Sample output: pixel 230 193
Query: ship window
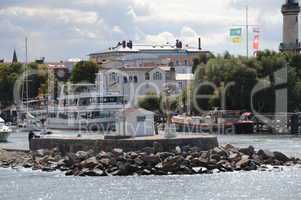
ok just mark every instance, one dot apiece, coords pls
pixel 84 101
pixel 52 115
pixel 95 114
pixel 140 118
pixel 63 116
pixel 83 115
pixel 99 100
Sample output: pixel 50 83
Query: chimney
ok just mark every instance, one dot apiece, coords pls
pixel 200 44
pixel 130 44
pixel 123 43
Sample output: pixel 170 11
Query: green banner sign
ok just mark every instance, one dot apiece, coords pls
pixel 235 32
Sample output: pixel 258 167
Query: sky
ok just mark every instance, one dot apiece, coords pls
pixel 64 29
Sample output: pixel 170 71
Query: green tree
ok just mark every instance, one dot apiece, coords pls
pixel 150 102
pixel 84 71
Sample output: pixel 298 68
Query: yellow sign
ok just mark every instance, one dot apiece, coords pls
pixel 236 40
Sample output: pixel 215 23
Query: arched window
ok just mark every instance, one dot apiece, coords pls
pixel 135 79
pixel 146 76
pixel 157 76
pixel 125 79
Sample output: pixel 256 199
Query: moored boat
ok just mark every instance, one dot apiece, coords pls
pixel 5 131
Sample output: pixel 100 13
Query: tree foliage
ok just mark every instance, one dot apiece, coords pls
pixel 84 71
pixel 245 74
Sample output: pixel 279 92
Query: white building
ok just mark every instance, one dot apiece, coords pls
pixel 135 82
pixel 136 122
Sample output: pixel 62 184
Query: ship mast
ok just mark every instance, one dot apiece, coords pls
pixel 26 73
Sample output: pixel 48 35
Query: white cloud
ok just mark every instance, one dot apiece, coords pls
pixel 80 27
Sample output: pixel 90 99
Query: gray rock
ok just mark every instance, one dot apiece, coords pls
pixel 178 150
pixel 150 159
pixel 105 161
pixel 164 155
pixel 247 151
pixel 89 163
pixel 229 147
pixel 94 172
pixel 280 156
pixel 139 161
pixel 265 154
pixel 148 150
pixel 220 151
pixel 82 155
pixel 117 152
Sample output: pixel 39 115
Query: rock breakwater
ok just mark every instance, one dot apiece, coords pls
pixel 149 161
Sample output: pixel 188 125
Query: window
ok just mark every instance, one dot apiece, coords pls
pixel 146 76
pixel 85 101
pixel 99 100
pixel 131 78
pixel 185 62
pixel 52 115
pixel 135 79
pixel 157 76
pixel 95 114
pixel 125 79
pixel 141 118
pixel 113 76
pixel 177 62
pixel 63 116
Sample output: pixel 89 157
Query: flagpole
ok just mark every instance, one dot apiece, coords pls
pixel 247 26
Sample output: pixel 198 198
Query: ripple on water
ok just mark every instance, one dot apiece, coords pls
pixel 239 185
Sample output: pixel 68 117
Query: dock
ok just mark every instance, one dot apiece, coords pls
pixel 98 143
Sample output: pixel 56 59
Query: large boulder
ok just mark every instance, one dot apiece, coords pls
pixel 280 156
pixel 89 163
pixel 157 147
pixel 220 151
pixel 247 151
pixel 94 172
pixel 117 152
pixel 82 155
pixel 265 154
pixel 105 162
pixel 172 163
pixel 164 155
pixel 151 159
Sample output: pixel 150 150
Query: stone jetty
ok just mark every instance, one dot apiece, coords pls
pixel 153 160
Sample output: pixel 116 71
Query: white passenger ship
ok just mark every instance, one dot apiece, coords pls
pixel 86 111
pixel 92 107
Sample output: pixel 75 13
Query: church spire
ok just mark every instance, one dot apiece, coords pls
pixel 15 59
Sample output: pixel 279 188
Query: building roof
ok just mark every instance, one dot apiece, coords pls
pixel 141 48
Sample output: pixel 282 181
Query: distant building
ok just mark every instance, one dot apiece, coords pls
pixel 142 55
pixel 290 11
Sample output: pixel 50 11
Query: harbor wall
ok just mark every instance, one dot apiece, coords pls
pixel 133 144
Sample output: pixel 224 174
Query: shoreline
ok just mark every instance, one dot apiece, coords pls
pixel 148 161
